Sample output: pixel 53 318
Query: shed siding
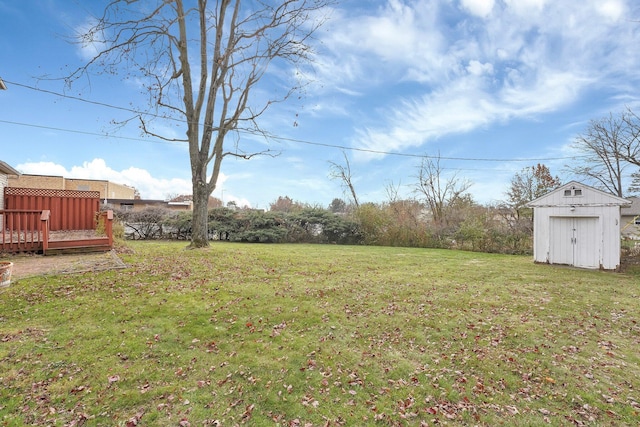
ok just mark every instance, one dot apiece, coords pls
pixel 577 225
pixel 607 233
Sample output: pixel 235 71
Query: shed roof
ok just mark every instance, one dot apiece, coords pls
pixel 5 169
pixel 566 195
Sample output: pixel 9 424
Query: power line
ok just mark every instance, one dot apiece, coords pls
pixel 88 101
pixel 251 132
pixel 392 153
pixel 102 135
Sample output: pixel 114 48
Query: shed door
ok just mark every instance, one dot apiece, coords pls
pixel 574 241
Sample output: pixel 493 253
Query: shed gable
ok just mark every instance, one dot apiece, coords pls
pixel 577 194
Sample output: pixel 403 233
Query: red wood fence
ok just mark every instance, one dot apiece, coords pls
pixel 70 210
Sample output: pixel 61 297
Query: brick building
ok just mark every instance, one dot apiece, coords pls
pixel 107 189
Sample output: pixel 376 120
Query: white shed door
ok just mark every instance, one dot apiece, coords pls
pixel 574 241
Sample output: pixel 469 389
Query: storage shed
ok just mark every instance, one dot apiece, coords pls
pixel 577 225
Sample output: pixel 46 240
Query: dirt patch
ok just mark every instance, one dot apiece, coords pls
pixel 38 265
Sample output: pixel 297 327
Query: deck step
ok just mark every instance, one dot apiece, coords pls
pixel 77 249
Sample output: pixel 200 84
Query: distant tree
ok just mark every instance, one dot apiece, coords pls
pixel 202 63
pixel 439 192
pixel 214 202
pixel 605 145
pixel 342 172
pixel 374 222
pixel 631 145
pixel 634 187
pixel 285 204
pixel 338 206
pixel 529 184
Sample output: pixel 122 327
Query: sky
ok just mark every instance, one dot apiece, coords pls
pixel 489 86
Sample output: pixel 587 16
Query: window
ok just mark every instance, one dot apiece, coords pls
pixel 573 192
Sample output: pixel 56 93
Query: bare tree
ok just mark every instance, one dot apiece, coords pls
pixel 343 173
pixel 201 62
pixel 529 184
pixel 285 204
pixel 606 144
pixel 631 144
pixel 439 192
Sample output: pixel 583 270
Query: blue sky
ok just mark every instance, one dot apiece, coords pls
pixel 492 86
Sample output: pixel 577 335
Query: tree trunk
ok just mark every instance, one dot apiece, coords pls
pixel 200 221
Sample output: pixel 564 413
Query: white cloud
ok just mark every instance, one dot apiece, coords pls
pixel 525 58
pixel 91 43
pixel 477 68
pixel 526 7
pixel 42 168
pixel 466 106
pixel 148 186
pixel 481 8
pixel 377 44
pixel 613 10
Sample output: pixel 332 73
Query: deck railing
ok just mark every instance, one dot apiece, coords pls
pixel 23 230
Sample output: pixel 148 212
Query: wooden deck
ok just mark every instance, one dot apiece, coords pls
pixel 26 231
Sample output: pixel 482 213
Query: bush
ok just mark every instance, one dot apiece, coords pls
pixel 144 224
pixel 177 225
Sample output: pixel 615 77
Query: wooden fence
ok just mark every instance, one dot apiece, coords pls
pixel 70 210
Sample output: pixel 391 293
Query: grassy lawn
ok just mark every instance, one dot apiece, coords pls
pixel 321 335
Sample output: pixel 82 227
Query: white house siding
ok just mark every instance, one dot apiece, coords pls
pixel 583 231
pixel 3 183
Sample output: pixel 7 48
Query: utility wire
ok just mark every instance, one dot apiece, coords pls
pixel 102 135
pixel 250 132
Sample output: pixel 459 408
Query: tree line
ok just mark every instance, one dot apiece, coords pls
pixel 442 213
pixel 458 223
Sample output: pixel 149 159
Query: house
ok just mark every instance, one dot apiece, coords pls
pixel 631 219
pixel 5 172
pixel 577 225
